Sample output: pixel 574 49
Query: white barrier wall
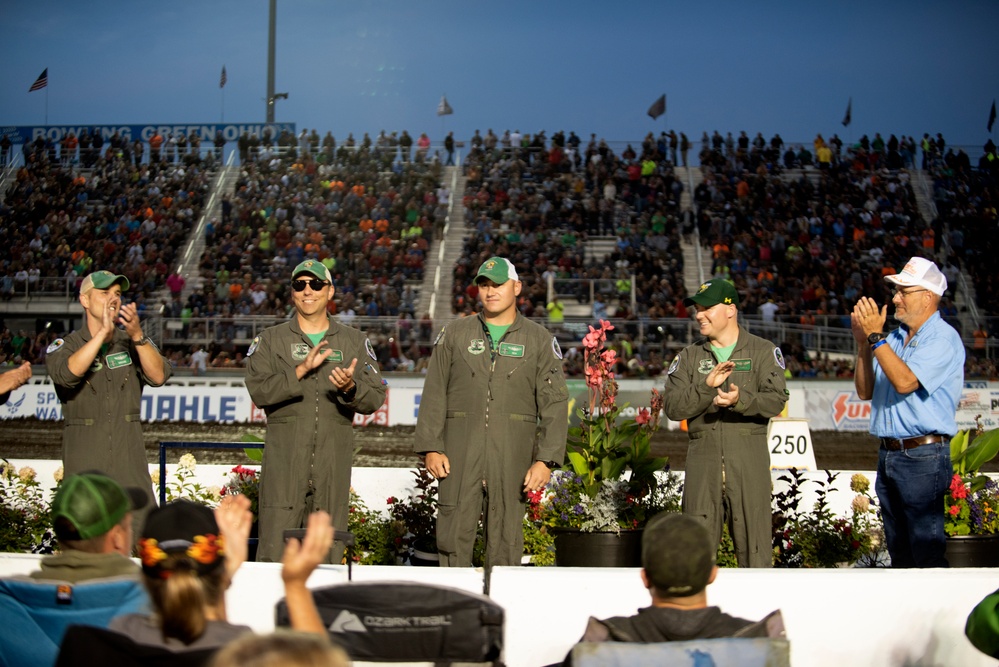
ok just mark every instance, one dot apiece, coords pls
pixel 861 618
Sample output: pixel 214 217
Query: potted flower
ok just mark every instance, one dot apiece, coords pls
pixel 971 505
pixel 245 481
pixel 25 517
pixel 539 545
pixel 612 484
pixel 185 485
pixel 820 538
pixel 373 534
pixel 415 521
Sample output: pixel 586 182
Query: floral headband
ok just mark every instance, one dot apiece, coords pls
pixel 207 552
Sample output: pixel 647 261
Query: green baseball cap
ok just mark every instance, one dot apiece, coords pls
pixel 313 268
pixel 498 270
pixel 677 554
pixel 714 292
pixel 90 504
pixel 102 280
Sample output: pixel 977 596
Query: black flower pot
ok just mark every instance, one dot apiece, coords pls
pixel 973 550
pixel 574 548
pixel 423 552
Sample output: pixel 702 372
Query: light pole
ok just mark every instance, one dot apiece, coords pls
pixel 271 39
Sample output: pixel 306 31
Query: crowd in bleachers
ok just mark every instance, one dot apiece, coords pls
pixel 811 246
pixel 61 223
pixel 801 246
pixel 967 199
pixel 539 203
pixel 369 219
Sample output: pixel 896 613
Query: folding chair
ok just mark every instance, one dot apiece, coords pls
pixel 406 622
pixel 728 652
pixel 36 613
pixel 85 646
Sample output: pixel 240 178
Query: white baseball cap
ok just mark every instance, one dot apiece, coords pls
pixel 920 272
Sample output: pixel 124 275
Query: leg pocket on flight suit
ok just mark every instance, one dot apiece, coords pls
pixel 446 528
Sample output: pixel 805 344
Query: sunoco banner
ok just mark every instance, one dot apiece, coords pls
pixel 835 406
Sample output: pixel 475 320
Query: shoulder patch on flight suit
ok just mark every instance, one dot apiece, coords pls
pixel 779 358
pixel 253 346
pixel 556 350
pixel 673 366
pixel 704 366
pixel 55 345
pixel 370 350
pixel 439 336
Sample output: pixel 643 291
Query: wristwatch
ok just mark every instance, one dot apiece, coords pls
pixel 875 338
pixel 551 465
pixel 142 341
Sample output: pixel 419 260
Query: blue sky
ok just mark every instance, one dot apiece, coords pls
pixel 588 66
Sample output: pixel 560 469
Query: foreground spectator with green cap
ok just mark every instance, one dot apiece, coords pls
pixel 92 517
pixel 678 564
pixel 99 372
pixel 727 385
pixel 88 583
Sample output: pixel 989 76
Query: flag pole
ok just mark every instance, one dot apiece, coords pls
pixel 665 128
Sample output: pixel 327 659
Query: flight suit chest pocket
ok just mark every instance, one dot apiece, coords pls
pixel 553 386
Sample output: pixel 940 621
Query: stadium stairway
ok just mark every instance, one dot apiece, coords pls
pixel 964 292
pixel 596 248
pixel 223 184
pixel 438 272
pixel 696 258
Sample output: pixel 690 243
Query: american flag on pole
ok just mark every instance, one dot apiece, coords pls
pixel 41 81
pixel 223 78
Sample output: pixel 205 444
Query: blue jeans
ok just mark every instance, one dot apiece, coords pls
pixel 911 485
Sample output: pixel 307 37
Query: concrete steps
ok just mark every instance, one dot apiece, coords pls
pixel 438 272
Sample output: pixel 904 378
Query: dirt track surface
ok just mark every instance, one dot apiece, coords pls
pixel 380 446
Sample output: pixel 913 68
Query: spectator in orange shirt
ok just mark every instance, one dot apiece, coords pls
pixel 155 143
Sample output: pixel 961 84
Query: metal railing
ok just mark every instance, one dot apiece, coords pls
pixel 830 334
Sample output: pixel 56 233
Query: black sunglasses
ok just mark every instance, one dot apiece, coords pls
pixel 315 283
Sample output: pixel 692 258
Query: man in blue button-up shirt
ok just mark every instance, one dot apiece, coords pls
pixel 913 377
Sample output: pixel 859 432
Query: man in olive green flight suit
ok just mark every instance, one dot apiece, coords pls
pixel 727 386
pixel 99 371
pixel 493 420
pixel 310 375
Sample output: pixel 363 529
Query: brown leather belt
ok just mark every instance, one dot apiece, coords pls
pixel 896 445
